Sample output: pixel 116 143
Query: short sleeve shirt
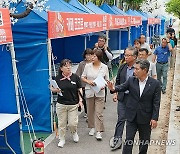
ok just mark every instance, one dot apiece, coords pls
pixel 91 74
pixel 146 46
pixel 69 89
pixel 162 54
pixel 152 69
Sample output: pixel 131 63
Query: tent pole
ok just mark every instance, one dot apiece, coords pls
pixel 15 73
pixel 129 36
pixel 85 43
pixel 107 37
pixel 119 39
pixel 50 77
pixel 147 37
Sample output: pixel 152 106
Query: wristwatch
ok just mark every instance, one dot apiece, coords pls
pixel 168 42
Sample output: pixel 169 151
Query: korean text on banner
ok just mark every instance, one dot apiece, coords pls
pixel 61 24
pixel 5 27
pixel 136 20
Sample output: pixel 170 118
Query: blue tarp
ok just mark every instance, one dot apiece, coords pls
pixel 124 32
pixel 8 101
pixel 162 25
pixel 30 39
pixel 77 4
pixel 135 30
pixel 119 10
pixel 117 38
pixel 30 34
pixel 95 8
pixel 105 7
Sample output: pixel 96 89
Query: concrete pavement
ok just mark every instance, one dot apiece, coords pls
pixel 88 144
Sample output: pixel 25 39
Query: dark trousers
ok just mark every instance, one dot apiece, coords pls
pixel 84 101
pixel 121 110
pixel 144 137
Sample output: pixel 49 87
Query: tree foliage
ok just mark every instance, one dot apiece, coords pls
pixel 173 6
pixel 134 4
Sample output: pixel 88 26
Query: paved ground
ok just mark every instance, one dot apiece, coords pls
pixel 88 144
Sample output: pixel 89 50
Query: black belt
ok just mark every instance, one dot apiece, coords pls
pixel 162 62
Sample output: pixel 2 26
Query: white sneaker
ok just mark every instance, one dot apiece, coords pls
pixel 91 132
pixel 98 136
pixel 61 143
pixel 85 115
pixel 75 137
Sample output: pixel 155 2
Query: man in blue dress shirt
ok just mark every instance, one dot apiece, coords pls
pixel 161 55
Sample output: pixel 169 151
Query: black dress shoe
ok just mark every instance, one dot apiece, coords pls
pixel 117 144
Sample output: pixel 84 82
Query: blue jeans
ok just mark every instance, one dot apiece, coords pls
pixel 162 70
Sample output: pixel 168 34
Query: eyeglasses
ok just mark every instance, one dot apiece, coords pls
pixel 126 55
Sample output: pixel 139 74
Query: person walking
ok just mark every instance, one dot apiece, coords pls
pixel 161 55
pixel 137 44
pixel 107 55
pixel 124 72
pixel 95 100
pixel 142 40
pixel 87 56
pixel 142 106
pixel 68 101
pixel 171 41
pixel 143 54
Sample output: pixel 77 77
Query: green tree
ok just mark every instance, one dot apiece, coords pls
pixel 173 6
pixel 133 4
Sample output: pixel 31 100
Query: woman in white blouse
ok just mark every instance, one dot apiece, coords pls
pixel 95 100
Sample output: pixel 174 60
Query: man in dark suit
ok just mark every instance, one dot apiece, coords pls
pixel 124 72
pixel 142 106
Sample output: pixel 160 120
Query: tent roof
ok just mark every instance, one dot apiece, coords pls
pixel 119 10
pixel 77 4
pixel 55 5
pixel 105 7
pixel 133 13
pixel 72 8
pixel 143 17
pixel 95 8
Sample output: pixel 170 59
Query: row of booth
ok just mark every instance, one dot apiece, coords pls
pixel 32 46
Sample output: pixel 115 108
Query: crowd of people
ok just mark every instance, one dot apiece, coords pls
pixel 137 90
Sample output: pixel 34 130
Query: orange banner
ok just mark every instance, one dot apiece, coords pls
pixel 71 24
pixel 117 21
pixel 5 27
pixel 136 20
pixel 157 21
pixel 61 24
pixel 152 21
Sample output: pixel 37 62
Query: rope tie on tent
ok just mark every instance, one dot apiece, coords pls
pixel 28 117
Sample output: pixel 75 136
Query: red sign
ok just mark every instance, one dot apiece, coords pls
pixel 5 27
pixel 71 24
pixel 152 21
pixel 136 20
pixel 61 24
pixel 119 21
pixel 157 21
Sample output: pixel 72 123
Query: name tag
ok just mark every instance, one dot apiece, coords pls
pixel 73 82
